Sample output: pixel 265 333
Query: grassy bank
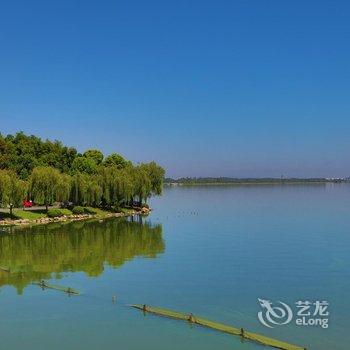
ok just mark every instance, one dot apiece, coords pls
pixel 27 217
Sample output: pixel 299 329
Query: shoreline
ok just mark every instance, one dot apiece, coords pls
pixel 74 217
pixel 253 183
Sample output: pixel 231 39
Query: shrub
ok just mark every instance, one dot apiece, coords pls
pixel 126 211
pixel 54 213
pixel 90 211
pixel 116 209
pixel 78 210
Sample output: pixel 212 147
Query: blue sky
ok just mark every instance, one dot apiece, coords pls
pixel 205 88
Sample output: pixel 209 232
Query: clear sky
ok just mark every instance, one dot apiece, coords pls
pixel 205 88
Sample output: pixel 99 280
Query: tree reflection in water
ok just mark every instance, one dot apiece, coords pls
pixel 43 252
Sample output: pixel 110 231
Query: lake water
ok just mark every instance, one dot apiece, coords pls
pixel 212 251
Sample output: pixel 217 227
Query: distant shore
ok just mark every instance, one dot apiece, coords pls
pixel 224 181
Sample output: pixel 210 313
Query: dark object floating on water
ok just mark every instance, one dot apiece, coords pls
pixel 219 327
pixel 67 290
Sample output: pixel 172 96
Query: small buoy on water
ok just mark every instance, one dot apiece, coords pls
pixel 114 299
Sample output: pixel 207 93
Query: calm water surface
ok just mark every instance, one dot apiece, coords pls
pixel 212 251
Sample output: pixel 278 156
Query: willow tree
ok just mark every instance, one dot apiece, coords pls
pixel 79 186
pixel 12 189
pixel 142 186
pixel 44 185
pixel 4 187
pixel 125 186
pixel 156 175
pixel 93 190
pixel 110 185
pixel 116 186
pixel 63 188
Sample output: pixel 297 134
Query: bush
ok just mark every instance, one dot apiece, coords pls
pixel 116 209
pixel 126 211
pixel 54 213
pixel 78 210
pixel 90 211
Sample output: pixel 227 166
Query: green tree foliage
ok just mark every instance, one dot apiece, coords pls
pixel 84 165
pixel 85 190
pixel 63 188
pixel 4 187
pixel 4 153
pixel 78 189
pixel 95 155
pixel 57 173
pixel 44 185
pixel 12 189
pixel 142 186
pixel 94 191
pixel 17 191
pixel 116 186
pixel 23 153
pixel 156 174
pixel 117 160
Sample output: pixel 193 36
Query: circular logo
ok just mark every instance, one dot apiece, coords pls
pixel 272 316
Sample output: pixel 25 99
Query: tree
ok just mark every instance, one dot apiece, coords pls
pixel 116 186
pixel 59 173
pixel 156 174
pixel 18 189
pixel 44 185
pixel 93 191
pixel 63 188
pixel 12 189
pixel 142 186
pixel 78 189
pixel 4 187
pixel 4 153
pixel 117 160
pixel 22 153
pixel 84 165
pixel 125 186
pixel 95 155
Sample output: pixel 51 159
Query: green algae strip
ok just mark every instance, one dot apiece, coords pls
pixel 45 285
pixel 219 327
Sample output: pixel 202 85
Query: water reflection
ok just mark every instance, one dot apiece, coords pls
pixel 43 252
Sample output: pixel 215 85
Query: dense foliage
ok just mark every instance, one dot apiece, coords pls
pixel 48 172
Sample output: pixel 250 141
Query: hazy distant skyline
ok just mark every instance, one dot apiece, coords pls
pixel 205 88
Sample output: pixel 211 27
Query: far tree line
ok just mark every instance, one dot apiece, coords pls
pixel 55 173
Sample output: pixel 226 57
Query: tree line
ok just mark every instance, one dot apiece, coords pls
pixel 48 172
